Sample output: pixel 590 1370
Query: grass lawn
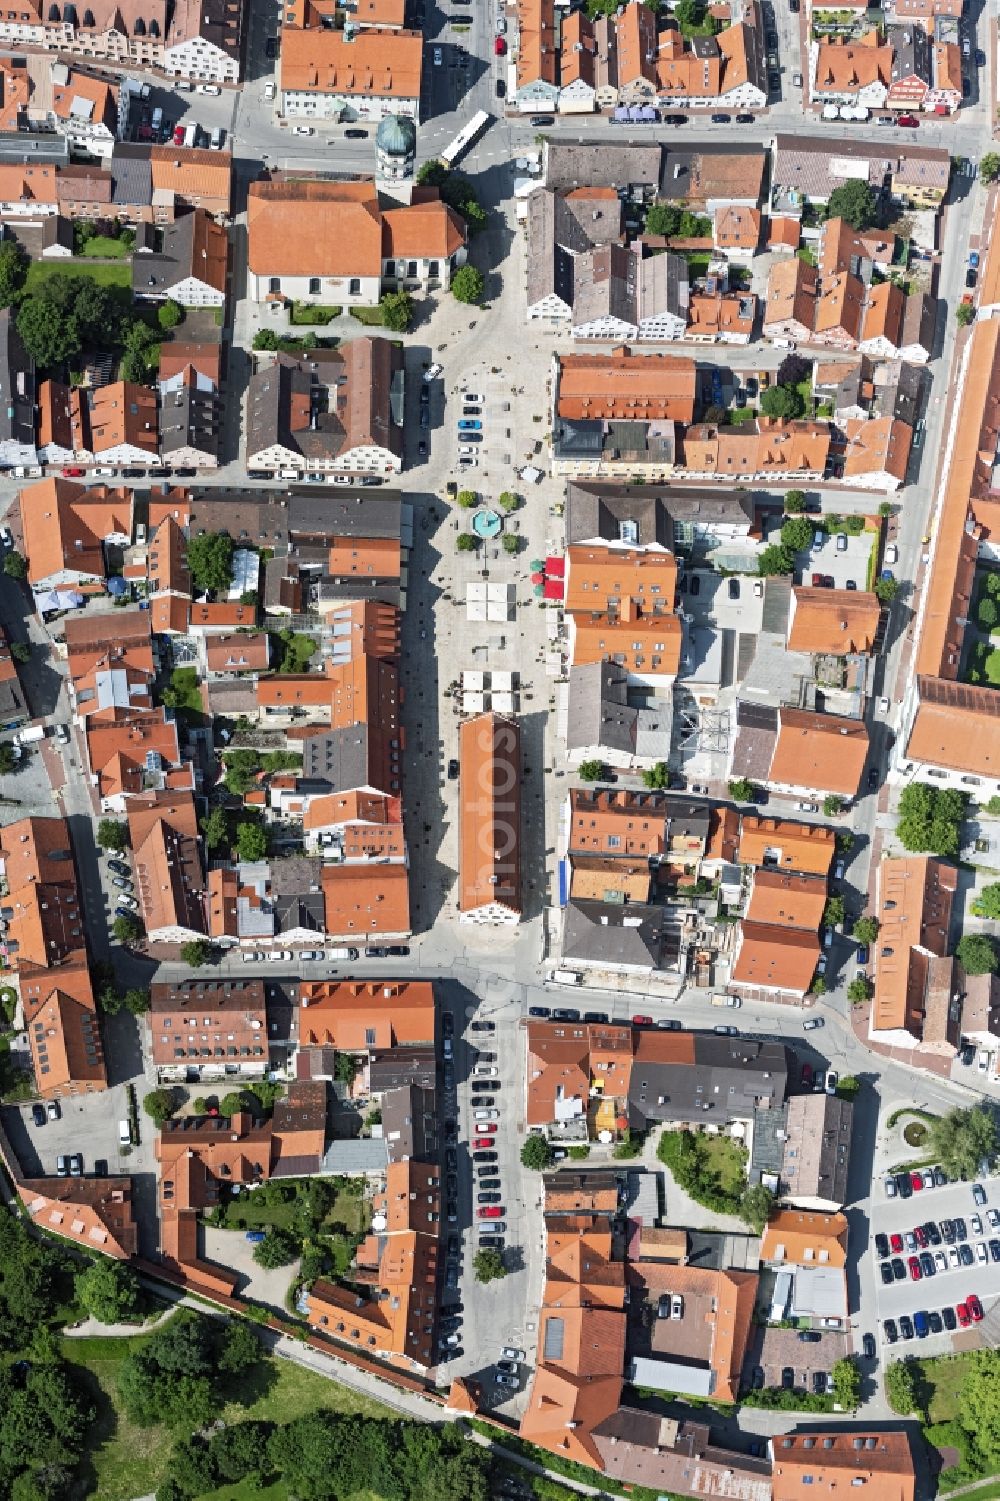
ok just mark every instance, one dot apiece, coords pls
pixel 106 249
pixel 307 312
pixel 946 1377
pixel 726 1158
pixel 351 1211
pixel 697 264
pixel 118 274
pixel 124 1461
pixel 736 415
pixel 988 1492
pixel 370 315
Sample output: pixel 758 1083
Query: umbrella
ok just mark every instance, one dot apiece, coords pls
pixel 537 563
pixel 539 590
pixel 537 578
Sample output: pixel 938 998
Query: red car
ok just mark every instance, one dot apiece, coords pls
pixel 916 1182
pixel 914 1266
pixel 975 1308
pixel 72 473
pixel 642 1021
pixel 490 1212
pixel 499 46
pixel 807 1076
pixel 178 135
pixel 920 1235
pixel 489 1130
pixel 896 1242
pixel 482 1143
pixel 910 121
pixel 817 580
pixel 962 1312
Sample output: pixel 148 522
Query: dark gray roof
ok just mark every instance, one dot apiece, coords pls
pixel 307 911
pixel 899 390
pixel 360 514
pixel 17 385
pixel 190 417
pixel 339 757
pixel 911 53
pixel 635 515
pixel 600 933
pixel 25 146
pixel 154 271
pixel 583 439
pixel 403 1066
pixel 384 591
pixel 817 1148
pixel 255 515
pixel 409 1122
pixel 600 164
pixel 559 230
pixel 730 1078
pixel 13 709
pixel 131 174
pixel 599 713
pixel 919 321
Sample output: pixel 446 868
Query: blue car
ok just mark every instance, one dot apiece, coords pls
pixel 862 955
pixel 469 425
pixel 255 1237
pixel 920 1324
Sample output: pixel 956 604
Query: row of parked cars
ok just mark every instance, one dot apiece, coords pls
pixel 933 1321
pixel 931 1248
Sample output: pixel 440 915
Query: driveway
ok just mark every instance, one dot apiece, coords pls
pixel 232 1249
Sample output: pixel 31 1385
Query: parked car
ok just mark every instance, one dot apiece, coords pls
pixel 978 1194
pixel 52 1110
pixel 868 1346
pixel 813 1024
pixel 889 1330
pixel 905 1326
pixel 38 1114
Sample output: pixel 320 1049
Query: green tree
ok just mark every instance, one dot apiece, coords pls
pixel 251 841
pixel 112 835
pixel 510 543
pixel 241 1349
pixel 397 311
pixel 663 219
pixel 795 502
pixel 656 778
pixel 507 500
pixel 465 542
pixel 834 912
pixel 853 201
pixel 136 1000
pixel 111 1000
pixel 49 334
pixel 488 1266
pixel 775 560
pixel 964 314
pixel 930 819
pixel 962 1139
pixel 846 1383
pixel 127 930
pixel 108 1290
pixel 832 805
pixel 756 1203
pixel 782 402
pixel 139 353
pixel 989 166
pixel 14 566
pixel 215 829
pixel 278 1248
pixel 979 1402
pixel 797 534
pixel 859 990
pixel 265 338
pixel 232 1103
pixel 536 1153
pixel 432 174
pixel 987 613
pixel 195 952
pixel 849 1087
pixel 210 560
pixel 866 929
pixel 977 954
pixel 590 771
pixel 21 652
pixel 9 763
pixel 467 499
pixel 159 1105
pixel 818 986
pixel 987 903
pixel 13 269
pixel 854 525
pixel 741 790
pixel 169 314
pixel 240 1450
pixel 468 285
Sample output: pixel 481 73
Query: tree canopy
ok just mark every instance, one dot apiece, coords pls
pixel 159 1105
pixel 930 819
pixel 13 269
pixel 963 1139
pixel 468 284
pixel 782 402
pixel 775 559
pixel 210 559
pixel 797 534
pixel 112 834
pixel 278 1248
pixel 866 929
pixel 488 1265
pixel 196 952
pixel 853 201
pixel 590 771
pixel 987 903
pixel 251 841
pixel 979 1402
pixel 108 1290
pixel 977 954
pixel 741 790
pixel 536 1152
pixel 397 311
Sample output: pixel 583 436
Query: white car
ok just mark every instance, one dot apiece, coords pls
pixel 311 956
pixel 302 130
pixel 511 1352
pixel 127 901
pixel 252 957
pixel 432 372
pixel 472 399
pixel 981 1252
pixel 940 1261
pixel 983 1061
pixel 467 450
pixel 486 1071
pixel 832 1080
pixel 438 57
pixel 279 956
pixel 807 807
pixel 883 706
pixel 954 1259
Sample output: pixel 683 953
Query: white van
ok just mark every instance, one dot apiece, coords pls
pixel 216 141
pixel 191 135
pixel 334 954
pixel 157 120
pixel 124 1134
pixel 486 1115
pixel 269 90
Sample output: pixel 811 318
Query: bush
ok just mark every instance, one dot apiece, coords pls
pixel 630 1145
pixel 278 1248
pixel 977 954
pixel 169 314
pixel 536 1153
pixel 465 542
pixel 160 1105
pixel 112 835
pixel 468 285
pixel 741 790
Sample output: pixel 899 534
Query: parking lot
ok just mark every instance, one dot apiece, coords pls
pixel 774 1353
pixel 944 1288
